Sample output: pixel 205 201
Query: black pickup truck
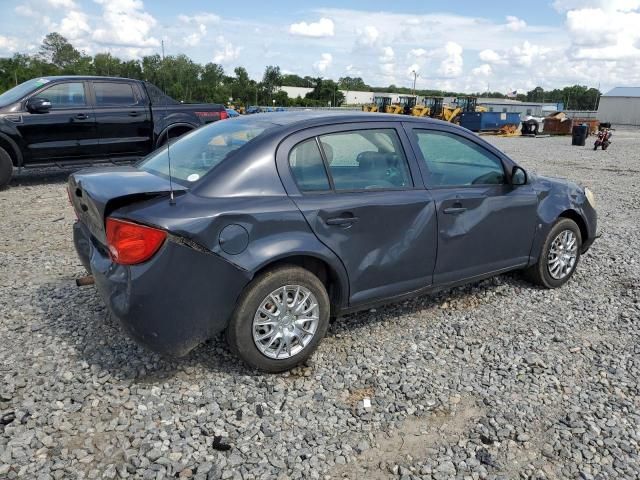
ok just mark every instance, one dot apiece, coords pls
pixel 81 120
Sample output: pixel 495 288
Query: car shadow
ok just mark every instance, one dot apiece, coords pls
pixel 29 177
pixel 78 317
pixel 456 296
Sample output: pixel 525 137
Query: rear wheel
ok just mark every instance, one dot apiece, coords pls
pixel 280 319
pixel 559 256
pixel 6 168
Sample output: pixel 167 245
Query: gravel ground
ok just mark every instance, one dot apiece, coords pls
pixel 494 380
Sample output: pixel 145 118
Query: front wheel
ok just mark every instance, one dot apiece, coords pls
pixel 6 168
pixel 280 319
pixel 559 256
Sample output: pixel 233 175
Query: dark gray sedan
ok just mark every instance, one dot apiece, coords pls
pixel 267 226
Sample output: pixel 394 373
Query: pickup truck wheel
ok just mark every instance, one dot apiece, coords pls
pixel 6 168
pixel 559 255
pixel 280 319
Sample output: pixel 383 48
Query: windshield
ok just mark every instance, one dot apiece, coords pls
pixel 196 153
pixel 16 93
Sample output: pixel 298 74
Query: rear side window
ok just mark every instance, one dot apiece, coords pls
pixel 193 155
pixel 113 94
pixel 307 167
pixel 366 160
pixel 65 95
pixel 454 160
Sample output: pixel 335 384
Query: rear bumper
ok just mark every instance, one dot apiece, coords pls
pixel 171 303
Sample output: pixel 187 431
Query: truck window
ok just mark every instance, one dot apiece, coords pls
pixel 114 94
pixel 65 95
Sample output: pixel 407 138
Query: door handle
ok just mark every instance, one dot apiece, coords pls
pixel 454 210
pixel 82 116
pixel 341 220
pixel 134 114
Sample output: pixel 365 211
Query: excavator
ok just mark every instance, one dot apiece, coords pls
pixel 380 104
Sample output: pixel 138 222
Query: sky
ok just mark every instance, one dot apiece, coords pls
pixel 461 45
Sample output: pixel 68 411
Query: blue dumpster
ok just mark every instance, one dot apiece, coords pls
pixel 485 121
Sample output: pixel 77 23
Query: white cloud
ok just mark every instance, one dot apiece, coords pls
pixel 322 28
pixel 74 26
pixel 227 52
pixel 452 65
pixel 413 68
pixel 490 56
pixel 368 36
pixel 8 44
pixel 483 70
pixel 25 11
pixel 386 55
pixel 199 23
pixel 125 23
pixel 62 3
pixel 417 52
pixel 613 5
pixel 325 61
pixel 515 23
pixel 200 18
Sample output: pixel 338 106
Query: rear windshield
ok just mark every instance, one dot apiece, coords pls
pixel 196 153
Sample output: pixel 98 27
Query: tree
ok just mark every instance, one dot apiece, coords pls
pixel 326 91
pixel 353 84
pixel 57 50
pixel 271 80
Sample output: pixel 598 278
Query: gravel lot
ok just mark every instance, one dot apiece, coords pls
pixel 494 380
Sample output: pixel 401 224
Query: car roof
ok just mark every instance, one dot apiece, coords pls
pixel 311 118
pixel 86 77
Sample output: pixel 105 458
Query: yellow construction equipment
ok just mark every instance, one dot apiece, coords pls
pixel 379 105
pixel 451 113
pixel 404 105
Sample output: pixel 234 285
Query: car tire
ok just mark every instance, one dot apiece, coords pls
pixel 261 328
pixel 6 168
pixel 553 269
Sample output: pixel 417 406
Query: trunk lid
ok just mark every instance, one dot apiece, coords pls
pixel 96 192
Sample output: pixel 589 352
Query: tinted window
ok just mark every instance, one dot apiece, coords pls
pixel 65 95
pixel 366 160
pixel 197 152
pixel 454 160
pixel 307 167
pixel 114 94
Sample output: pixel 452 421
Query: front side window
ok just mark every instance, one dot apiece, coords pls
pixel 307 167
pixel 113 94
pixel 366 160
pixel 198 152
pixel 65 95
pixel 455 160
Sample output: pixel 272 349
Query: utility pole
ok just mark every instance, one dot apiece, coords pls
pixel 415 76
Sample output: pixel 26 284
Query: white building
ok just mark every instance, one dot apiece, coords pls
pixel 350 97
pixel 620 106
pixel 536 109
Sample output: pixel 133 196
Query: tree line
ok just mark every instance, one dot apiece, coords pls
pixel 187 81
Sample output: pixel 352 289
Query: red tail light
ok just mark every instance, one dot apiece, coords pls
pixel 130 243
pixel 223 115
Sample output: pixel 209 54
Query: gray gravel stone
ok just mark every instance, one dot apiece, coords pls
pixel 497 379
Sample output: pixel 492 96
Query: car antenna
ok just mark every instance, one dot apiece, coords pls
pixel 172 200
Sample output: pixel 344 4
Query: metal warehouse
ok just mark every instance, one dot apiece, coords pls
pixel 620 106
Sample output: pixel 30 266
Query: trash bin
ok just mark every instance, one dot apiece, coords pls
pixel 579 135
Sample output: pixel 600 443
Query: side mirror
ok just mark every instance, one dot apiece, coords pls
pixel 38 105
pixel 518 176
